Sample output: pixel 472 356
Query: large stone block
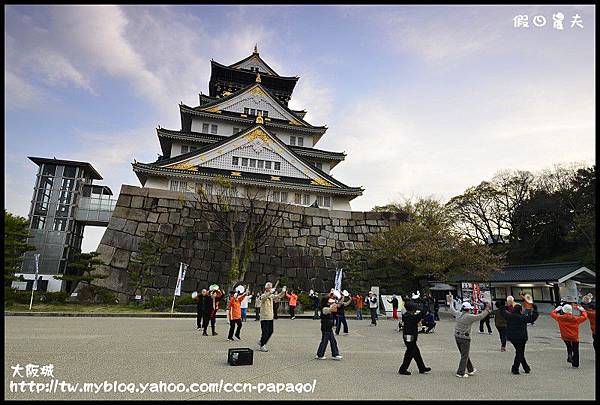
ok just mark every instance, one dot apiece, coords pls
pixel 130 227
pixel 117 223
pixel 141 229
pixel 165 228
pixel 124 201
pixel 120 259
pixel 137 202
pixel 174 217
pixel 321 241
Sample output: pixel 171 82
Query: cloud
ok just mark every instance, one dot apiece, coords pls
pixel 18 93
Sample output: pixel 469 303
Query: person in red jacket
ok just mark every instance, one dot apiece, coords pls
pixel 293 297
pixel 234 313
pixel 569 330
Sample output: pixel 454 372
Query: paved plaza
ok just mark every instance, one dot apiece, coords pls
pixel 134 350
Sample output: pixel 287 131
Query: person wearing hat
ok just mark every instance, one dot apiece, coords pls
pixel 234 312
pixel 343 302
pixel 411 317
pixel 590 308
pixel 328 310
pixel 394 302
pixel 569 330
pixel 359 302
pixel 215 295
pixel 314 297
pixel 373 305
pixel 516 333
pixel 267 313
pixel 462 336
pixel 293 301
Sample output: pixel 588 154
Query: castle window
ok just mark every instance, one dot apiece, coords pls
pixel 318 165
pixel 252 162
pixel 297 198
pixel 265 114
pixel 244 161
pixel 252 111
pixel 213 129
pixel 284 197
pixel 300 141
pixel 236 130
pixel 205 128
pixel 235 160
pixel 260 164
pixel 277 165
pixel 184 148
pixel 292 140
pixel 305 199
pixel 246 110
pixel 268 164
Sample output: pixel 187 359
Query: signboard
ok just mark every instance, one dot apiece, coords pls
pixel 387 306
pixel 338 279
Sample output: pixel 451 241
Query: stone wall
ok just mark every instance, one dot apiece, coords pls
pixel 304 248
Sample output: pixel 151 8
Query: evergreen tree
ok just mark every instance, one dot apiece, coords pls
pixel 80 268
pixel 16 233
pixel 150 250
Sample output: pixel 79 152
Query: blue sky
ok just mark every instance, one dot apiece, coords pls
pixel 426 101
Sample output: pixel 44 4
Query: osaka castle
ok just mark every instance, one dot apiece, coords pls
pixel 244 131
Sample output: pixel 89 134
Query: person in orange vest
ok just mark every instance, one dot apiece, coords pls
pixel 293 297
pixel 569 330
pixel 234 313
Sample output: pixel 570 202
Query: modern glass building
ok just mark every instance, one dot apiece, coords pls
pixel 65 200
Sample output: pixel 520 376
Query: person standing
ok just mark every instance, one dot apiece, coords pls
pixel 257 305
pixel 516 333
pixel 394 302
pixel 528 306
pixel 198 300
pixel 204 308
pixel 234 313
pixel 373 305
pixel 449 300
pixel 327 311
pixel 411 318
pixel 485 320
pixel 462 336
pixel 510 303
pixel 359 304
pixel 215 296
pixel 293 301
pixel 341 312
pixel 436 310
pixel 267 314
pixel 500 323
pixel 569 330
pixel 590 308
pixel 314 297
pixel 244 306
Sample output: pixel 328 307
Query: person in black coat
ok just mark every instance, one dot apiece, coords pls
pixel 516 333
pixel 411 319
pixel 203 305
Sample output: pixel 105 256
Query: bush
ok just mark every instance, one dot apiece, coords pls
pixel 12 296
pixel 305 300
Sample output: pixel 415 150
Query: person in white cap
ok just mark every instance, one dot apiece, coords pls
pixel 462 336
pixel 316 303
pixel 266 316
pixel 569 330
pixel 341 315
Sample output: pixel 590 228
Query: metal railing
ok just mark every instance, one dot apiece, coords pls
pixel 91 209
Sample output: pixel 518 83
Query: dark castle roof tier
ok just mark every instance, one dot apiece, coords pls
pixel 165 137
pixel 142 170
pixel 229 76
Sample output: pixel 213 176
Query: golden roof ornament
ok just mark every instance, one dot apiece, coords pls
pixel 258 78
pixel 259 119
pixel 255 48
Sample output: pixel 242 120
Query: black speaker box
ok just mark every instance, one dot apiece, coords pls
pixel 240 357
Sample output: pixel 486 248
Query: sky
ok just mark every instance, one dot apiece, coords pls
pixel 425 100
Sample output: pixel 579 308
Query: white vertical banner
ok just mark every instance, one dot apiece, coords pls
pixel 338 279
pixel 35 278
pixel 180 278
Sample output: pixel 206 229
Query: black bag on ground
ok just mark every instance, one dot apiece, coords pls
pixel 240 357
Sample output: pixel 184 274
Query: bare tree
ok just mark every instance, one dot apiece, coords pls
pixel 247 218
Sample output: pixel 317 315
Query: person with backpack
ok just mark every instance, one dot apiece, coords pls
pixel 516 333
pixel 411 318
pixel 462 336
pixel 569 330
pixel 500 323
pixel 328 309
